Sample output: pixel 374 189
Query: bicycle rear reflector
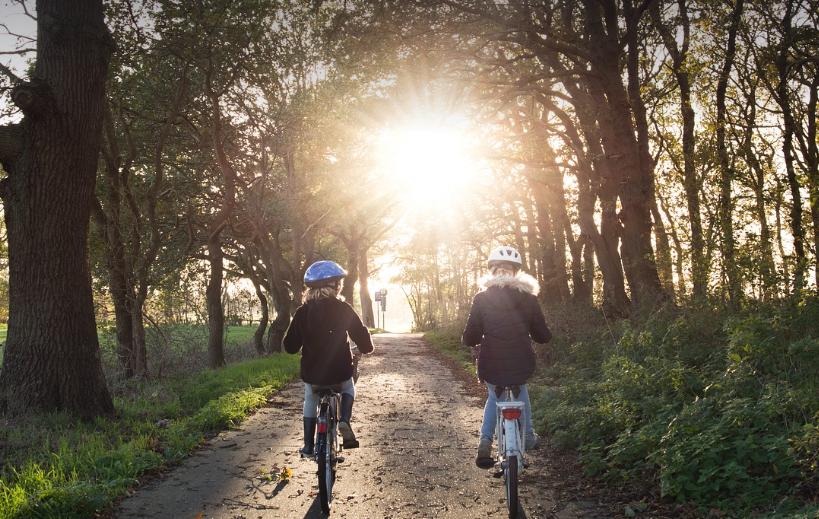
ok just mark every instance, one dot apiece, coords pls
pixel 511 413
pixel 322 427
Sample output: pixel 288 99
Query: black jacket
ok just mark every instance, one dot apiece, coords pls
pixel 505 319
pixel 320 329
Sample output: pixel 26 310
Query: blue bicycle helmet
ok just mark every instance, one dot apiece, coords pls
pixel 323 273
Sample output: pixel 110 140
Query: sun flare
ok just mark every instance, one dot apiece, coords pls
pixel 429 164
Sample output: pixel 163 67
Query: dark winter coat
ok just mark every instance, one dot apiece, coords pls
pixel 320 329
pixel 505 319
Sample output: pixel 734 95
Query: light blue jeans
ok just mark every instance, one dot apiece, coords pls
pixel 490 413
pixel 311 398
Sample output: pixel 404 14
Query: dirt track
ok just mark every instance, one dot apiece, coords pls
pixel 418 427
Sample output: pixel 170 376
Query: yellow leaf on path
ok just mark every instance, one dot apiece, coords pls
pixel 200 515
pixel 285 474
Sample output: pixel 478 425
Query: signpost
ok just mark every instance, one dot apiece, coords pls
pixel 381 297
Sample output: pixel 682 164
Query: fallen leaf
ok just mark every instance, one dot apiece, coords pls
pixel 285 474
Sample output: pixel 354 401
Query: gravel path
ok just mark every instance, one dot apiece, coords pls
pixel 418 428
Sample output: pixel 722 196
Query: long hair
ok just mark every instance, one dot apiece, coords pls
pixel 316 293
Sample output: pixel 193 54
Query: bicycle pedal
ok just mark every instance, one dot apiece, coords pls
pixel 498 474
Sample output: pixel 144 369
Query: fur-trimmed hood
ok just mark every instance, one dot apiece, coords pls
pixel 522 281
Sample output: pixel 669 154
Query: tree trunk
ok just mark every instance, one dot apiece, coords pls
pixel 588 271
pixel 125 328
pixel 779 202
pixel 726 170
pixel 664 267
pixel 767 266
pixel 615 300
pixel 783 99
pixel 52 358
pixel 551 282
pixel 278 327
pixel 636 170
pixel 213 294
pixel 557 212
pixel 367 315
pixel 258 335
pixel 811 156
pixel 139 354
pixel 519 242
pixel 680 66
pixel 348 288
pixel 535 266
pixel 595 180
pixel 678 249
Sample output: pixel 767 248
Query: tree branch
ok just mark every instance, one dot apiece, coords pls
pixel 10 74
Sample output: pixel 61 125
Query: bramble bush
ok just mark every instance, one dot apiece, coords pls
pixel 718 408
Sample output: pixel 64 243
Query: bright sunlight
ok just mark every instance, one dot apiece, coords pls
pixel 432 163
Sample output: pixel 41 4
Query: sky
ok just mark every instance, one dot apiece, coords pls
pixel 15 21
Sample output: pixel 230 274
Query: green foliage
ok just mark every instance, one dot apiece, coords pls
pixel 448 342
pixel 720 409
pixel 55 466
pixel 175 349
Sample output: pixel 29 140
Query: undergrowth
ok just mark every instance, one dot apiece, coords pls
pixel 715 408
pixel 448 342
pixel 54 466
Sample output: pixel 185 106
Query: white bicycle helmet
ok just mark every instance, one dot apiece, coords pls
pixel 506 254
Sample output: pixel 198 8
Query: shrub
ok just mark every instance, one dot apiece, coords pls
pixel 718 407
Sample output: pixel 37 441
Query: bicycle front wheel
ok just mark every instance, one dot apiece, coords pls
pixel 326 475
pixel 511 476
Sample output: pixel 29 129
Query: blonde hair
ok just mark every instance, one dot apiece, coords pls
pixel 316 293
pixel 502 270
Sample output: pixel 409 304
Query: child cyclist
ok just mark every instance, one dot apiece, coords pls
pixel 320 329
pixel 504 320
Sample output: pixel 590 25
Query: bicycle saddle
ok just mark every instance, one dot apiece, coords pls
pixel 500 389
pixel 326 390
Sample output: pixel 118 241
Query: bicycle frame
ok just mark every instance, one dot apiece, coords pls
pixel 326 446
pixel 508 428
pixel 326 427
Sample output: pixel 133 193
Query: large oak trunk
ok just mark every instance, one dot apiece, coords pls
pixel 52 356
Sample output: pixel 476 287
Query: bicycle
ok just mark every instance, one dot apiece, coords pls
pixel 327 446
pixel 511 446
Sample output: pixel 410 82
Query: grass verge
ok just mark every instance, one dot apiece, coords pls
pixel 56 467
pixel 448 342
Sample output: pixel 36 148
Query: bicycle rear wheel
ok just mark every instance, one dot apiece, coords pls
pixel 326 475
pixel 511 476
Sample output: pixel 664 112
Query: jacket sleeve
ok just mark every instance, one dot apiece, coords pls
pixel 537 323
pixel 359 333
pixel 473 332
pixel 293 340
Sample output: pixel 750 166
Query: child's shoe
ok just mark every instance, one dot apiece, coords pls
pixel 349 440
pixel 484 458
